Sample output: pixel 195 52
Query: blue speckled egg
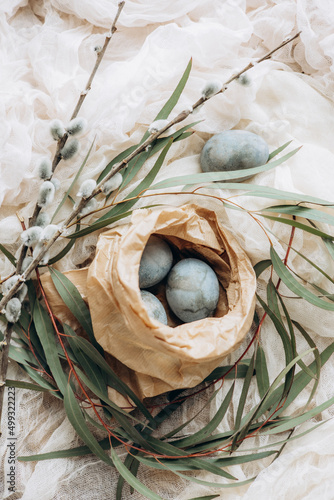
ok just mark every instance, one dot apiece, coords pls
pixel 192 290
pixel 154 307
pixel 234 150
pixel 156 262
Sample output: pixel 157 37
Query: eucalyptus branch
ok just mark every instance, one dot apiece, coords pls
pixel 149 141
pixel 62 141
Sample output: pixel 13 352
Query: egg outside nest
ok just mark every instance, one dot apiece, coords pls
pixel 234 150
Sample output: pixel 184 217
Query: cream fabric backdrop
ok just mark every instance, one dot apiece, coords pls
pixel 46 55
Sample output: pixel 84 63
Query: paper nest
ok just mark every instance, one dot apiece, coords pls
pixel 152 358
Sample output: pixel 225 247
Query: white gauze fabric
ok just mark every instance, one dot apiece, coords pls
pixel 46 54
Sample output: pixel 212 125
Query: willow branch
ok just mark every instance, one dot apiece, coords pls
pixel 184 114
pixel 99 58
pixel 61 143
pixel 57 158
pixel 263 58
pixel 149 141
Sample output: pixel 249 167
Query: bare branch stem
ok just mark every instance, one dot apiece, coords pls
pixel 61 143
pixel 98 61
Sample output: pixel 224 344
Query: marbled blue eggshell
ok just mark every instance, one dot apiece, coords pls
pixel 192 290
pixel 234 150
pixel 154 307
pixel 156 262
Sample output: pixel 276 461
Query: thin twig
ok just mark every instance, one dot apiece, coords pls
pixel 151 139
pixel 61 143
pixel 99 58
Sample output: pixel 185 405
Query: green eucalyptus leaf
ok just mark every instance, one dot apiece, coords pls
pixel 132 465
pixel 65 250
pixel 92 371
pixel 261 370
pixel 261 266
pixel 7 254
pixel 142 186
pixel 279 150
pixel 268 192
pixel 193 463
pixel 208 177
pixel 206 497
pixel 98 225
pixel 73 300
pixel 292 335
pixel 293 422
pixel 323 292
pixel 124 154
pixel 211 426
pixel 298 225
pixel 24 322
pixel 162 115
pixel 174 98
pixel 273 301
pixel 183 464
pixel 210 483
pixel 100 394
pixel 253 414
pixel 22 356
pixel 166 412
pixel 300 381
pixel 183 136
pixel 34 343
pixel 35 375
pixel 114 380
pixel 290 438
pixel 134 166
pixel 136 163
pixel 94 422
pixel 25 385
pixel 67 194
pixel 130 432
pixel 330 246
pixel 296 287
pixel 131 478
pixel 45 332
pixel 244 392
pixel 176 430
pixel 220 440
pixel 229 372
pixel 304 212
pixel 75 416
pixel 209 466
pixel 317 359
pixel 79 451
pixel 309 261
pixel 281 330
